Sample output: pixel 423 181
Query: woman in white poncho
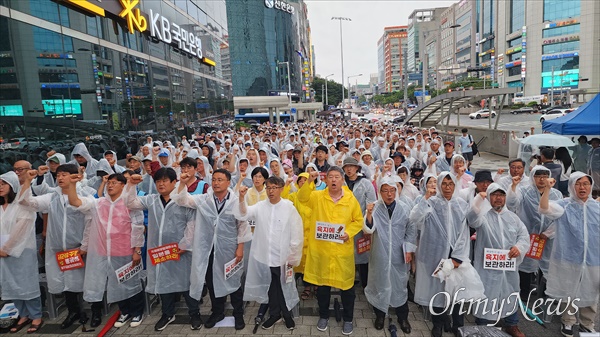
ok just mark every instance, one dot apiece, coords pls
pixel 574 270
pixel 18 256
pixel 393 241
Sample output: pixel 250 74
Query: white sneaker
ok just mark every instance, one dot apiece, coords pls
pixel 136 321
pixel 122 320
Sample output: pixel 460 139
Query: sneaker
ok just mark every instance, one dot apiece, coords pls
pixel 322 324
pixel 136 321
pixel 347 328
pixel 513 330
pixel 566 330
pixel 268 324
pixel 122 320
pixel 239 322
pixel 213 319
pixel 289 322
pixel 196 321
pixel 163 322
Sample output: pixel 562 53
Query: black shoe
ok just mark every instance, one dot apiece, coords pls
pixel 163 322
pixel 96 319
pixel 239 322
pixel 289 322
pixel 271 321
pixel 447 323
pixel 436 331
pixel 379 322
pixel 72 317
pixel 404 325
pixel 196 321
pixel 213 319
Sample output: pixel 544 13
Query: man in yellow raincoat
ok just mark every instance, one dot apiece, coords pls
pixel 335 219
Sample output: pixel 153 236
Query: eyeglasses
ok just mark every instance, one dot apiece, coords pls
pixel 20 169
pixel 218 180
pixel 388 191
pixel 447 184
pixel 272 188
pixel 582 185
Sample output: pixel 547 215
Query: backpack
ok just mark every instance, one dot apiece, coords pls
pixel 474 147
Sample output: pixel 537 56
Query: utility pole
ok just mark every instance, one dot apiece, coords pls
pixel 405 82
pixel 342 50
pixel 552 89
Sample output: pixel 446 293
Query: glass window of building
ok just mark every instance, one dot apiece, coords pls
pixel 517 15
pixel 560 9
pixel 564 30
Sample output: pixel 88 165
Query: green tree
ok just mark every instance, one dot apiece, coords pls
pixel 334 91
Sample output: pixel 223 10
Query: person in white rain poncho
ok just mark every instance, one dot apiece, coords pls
pixel 47 173
pixel 18 256
pixel 393 242
pixel 218 239
pixel 113 239
pixel 574 270
pixel 516 167
pixel 525 201
pixel 363 191
pixel 81 157
pixel 64 233
pixel 498 228
pixel 276 249
pixel 168 224
pixel 440 216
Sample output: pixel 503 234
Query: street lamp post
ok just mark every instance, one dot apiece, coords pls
pixel 341 49
pixel 349 100
pixel 326 95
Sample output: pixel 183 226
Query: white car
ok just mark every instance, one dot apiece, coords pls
pixel 483 113
pixel 555 113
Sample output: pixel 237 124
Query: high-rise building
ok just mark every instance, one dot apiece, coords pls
pixel 379 87
pixel 421 23
pixel 69 60
pixel 266 39
pixel 393 45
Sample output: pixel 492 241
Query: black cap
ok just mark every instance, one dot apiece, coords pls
pixel 483 175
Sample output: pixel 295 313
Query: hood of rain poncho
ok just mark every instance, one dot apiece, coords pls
pixel 318 180
pixel 12 180
pixel 61 158
pixel 193 153
pixel 281 174
pixel 81 149
pixel 207 168
pixel 423 182
pixel 493 188
pixel 390 181
pixel 573 180
pixel 534 170
pixel 455 158
pixel 104 166
pixel 250 166
pixel 440 178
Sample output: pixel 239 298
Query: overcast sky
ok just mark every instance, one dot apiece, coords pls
pixel 360 35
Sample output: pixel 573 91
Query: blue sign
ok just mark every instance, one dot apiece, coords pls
pixel 293 110
pixel 419 93
pixel 415 77
pixel 202 105
pixel 559 56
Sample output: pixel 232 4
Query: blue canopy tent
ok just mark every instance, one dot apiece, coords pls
pixel 583 121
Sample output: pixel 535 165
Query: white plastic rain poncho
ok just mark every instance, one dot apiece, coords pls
pixel 444 235
pixel 49 179
pixel 116 168
pixel 525 203
pixel 280 173
pixel 283 219
pixel 64 232
pixel 235 178
pixel 364 192
pixel 506 182
pixel 575 261
pixel 207 174
pixel 497 230
pixel 166 224
pixel 90 168
pixel 409 190
pixel 319 184
pixel 113 232
pixel 214 230
pixel 388 273
pixel 95 181
pixel 19 270
pixel 465 179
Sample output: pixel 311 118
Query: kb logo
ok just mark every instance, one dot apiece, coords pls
pixel 269 3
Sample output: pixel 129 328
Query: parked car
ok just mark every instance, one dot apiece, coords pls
pixel 554 113
pixel 483 113
pixel 545 110
pixel 524 109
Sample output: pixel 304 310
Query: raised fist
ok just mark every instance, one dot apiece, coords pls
pixel 370 207
pixel 501 171
pixel 516 180
pixel 135 179
pixel 243 191
pixel 50 153
pixel 42 169
pixel 483 195
pixel 430 192
pixel 31 174
pixel 313 176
